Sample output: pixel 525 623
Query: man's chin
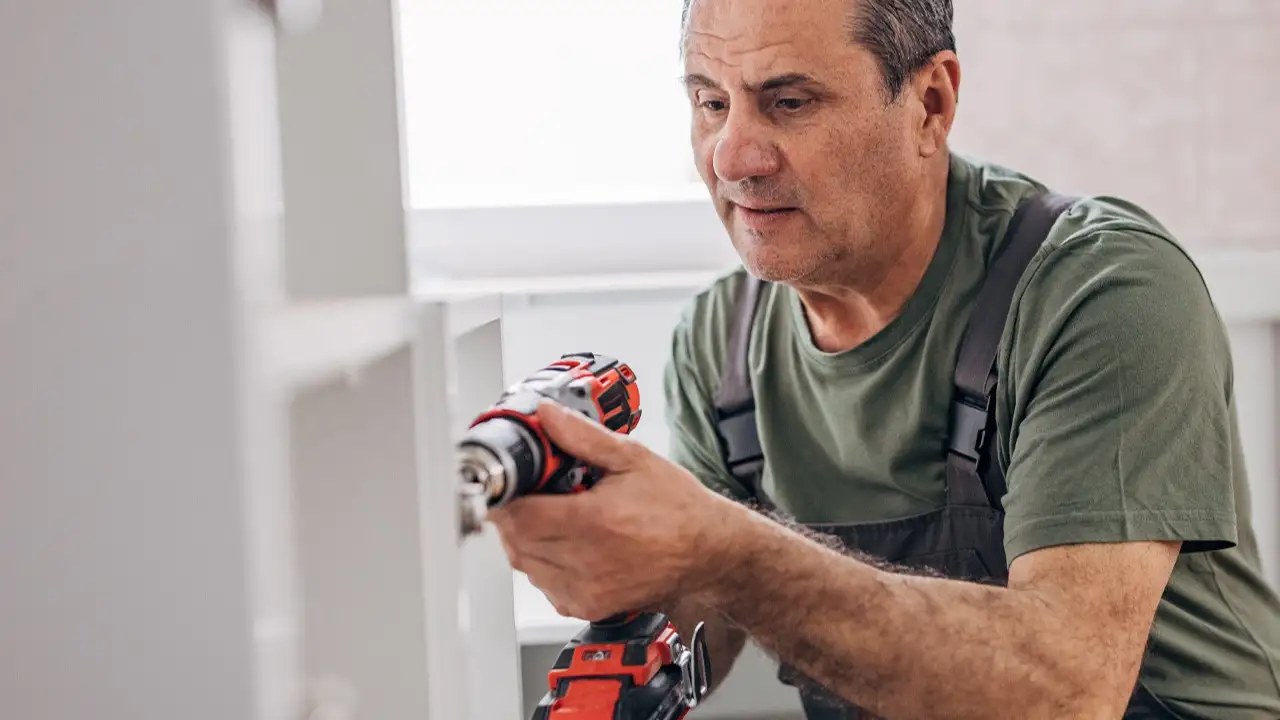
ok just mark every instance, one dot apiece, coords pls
pixel 782 261
pixel 780 270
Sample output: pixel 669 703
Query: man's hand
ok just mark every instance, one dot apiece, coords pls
pixel 640 539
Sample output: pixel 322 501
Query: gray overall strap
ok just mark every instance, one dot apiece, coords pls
pixel 971 441
pixel 735 404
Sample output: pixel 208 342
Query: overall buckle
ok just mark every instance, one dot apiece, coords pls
pixel 969 434
pixel 741 439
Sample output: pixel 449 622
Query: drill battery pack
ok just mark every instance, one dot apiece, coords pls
pixel 631 667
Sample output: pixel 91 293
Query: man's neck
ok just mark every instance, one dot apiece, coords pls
pixel 845 315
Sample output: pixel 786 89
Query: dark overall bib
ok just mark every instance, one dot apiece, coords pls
pixel 963 539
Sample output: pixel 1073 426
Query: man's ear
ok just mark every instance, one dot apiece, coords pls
pixel 937 89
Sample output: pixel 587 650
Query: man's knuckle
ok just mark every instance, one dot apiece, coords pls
pixel 633 449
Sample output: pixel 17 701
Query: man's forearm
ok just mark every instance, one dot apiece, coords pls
pixel 724 640
pixel 907 646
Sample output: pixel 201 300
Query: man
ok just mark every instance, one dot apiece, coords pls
pixel 1097 563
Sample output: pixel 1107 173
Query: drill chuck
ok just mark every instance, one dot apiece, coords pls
pixel 500 454
pixel 483 479
pixel 493 460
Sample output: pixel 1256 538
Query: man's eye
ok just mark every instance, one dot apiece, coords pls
pixel 713 105
pixel 791 103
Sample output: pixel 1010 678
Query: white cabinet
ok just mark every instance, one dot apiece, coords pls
pixel 226 424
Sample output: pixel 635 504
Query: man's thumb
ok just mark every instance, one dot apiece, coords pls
pixel 586 439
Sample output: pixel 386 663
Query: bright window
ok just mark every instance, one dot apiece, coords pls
pixel 553 102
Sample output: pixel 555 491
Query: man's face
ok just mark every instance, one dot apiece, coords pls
pixel 807 163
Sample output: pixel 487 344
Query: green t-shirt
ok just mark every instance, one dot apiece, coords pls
pixel 1115 412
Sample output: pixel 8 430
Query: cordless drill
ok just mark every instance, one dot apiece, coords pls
pixel 632 666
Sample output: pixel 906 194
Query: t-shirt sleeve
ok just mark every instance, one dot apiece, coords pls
pixel 1120 416
pixel 693 440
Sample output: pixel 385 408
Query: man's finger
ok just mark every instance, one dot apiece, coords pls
pixel 538 518
pixel 586 440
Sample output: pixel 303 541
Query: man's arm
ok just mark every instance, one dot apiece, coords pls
pixel 1064 639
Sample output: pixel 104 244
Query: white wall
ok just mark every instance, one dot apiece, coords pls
pixel 1257 376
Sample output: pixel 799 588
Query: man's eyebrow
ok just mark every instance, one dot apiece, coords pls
pixel 787 80
pixel 773 83
pixel 696 80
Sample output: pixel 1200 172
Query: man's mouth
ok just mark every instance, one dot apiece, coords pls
pixel 767 210
pixel 764 218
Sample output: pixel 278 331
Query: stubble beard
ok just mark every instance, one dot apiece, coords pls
pixel 770 260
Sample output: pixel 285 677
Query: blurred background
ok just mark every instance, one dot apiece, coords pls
pixel 257 259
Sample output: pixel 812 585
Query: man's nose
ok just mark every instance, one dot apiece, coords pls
pixel 743 152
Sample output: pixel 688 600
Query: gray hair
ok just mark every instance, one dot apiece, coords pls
pixel 904 35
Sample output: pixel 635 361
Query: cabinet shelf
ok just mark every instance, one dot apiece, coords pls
pixel 314 342
pixel 464 311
